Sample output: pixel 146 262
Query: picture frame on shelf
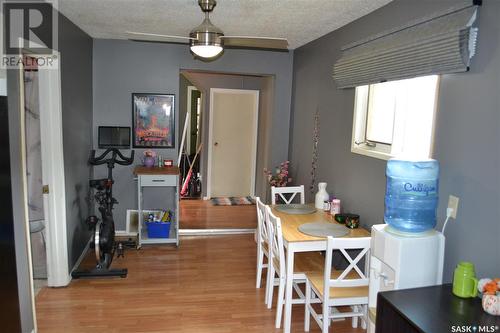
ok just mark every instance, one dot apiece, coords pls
pixel 153 120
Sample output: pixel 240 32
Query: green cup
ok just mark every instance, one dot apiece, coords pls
pixel 464 280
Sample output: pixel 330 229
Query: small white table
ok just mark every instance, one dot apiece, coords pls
pixel 296 241
pixel 158 177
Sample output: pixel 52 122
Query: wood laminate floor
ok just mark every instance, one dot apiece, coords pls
pixel 201 214
pixel 205 285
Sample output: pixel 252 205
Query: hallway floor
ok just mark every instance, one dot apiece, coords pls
pixel 201 214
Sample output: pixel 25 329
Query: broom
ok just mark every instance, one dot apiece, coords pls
pixel 190 172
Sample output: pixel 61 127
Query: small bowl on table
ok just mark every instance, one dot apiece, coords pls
pixel 352 221
pixel 340 218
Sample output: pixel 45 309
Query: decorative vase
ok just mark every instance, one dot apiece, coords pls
pixel 148 161
pixel 491 304
pixel 322 196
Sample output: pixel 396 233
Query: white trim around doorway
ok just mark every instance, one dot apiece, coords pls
pixel 190 90
pixel 51 130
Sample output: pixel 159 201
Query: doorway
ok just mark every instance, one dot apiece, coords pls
pixel 232 152
pixel 43 171
pixel 202 217
pixel 34 178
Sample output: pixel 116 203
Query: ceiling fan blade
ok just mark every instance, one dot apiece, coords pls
pixel 159 36
pixel 279 44
pixel 157 41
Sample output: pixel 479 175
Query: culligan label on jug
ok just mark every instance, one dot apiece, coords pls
pixel 419 188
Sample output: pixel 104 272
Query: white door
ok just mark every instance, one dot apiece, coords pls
pixel 232 142
pixel 43 163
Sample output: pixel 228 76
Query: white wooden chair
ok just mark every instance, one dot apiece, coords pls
pixel 262 242
pixel 340 288
pixel 307 261
pixel 292 190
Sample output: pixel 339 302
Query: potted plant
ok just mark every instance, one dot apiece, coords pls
pixel 279 176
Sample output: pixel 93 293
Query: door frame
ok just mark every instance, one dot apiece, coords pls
pixel 53 173
pixel 255 93
pixel 51 135
pixel 190 90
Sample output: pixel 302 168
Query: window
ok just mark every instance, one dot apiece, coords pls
pixel 395 118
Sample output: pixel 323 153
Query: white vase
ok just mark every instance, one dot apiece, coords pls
pixel 321 196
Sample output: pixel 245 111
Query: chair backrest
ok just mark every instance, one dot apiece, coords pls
pixel 345 279
pixel 292 190
pixel 276 247
pixel 261 221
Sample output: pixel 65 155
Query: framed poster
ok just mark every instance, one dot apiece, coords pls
pixel 153 120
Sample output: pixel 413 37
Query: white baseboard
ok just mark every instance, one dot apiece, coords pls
pixel 214 232
pixel 124 233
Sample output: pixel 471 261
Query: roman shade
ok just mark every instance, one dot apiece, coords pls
pixel 442 43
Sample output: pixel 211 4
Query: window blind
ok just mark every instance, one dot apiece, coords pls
pixel 442 43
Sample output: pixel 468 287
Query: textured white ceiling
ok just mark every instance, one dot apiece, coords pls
pixel 301 21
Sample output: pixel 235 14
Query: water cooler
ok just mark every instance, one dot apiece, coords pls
pixel 402 262
pixel 406 252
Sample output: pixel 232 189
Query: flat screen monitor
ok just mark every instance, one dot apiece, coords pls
pixel 113 137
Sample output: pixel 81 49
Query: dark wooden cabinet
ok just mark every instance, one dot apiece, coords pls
pixel 432 310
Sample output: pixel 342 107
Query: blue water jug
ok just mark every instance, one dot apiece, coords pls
pixel 411 195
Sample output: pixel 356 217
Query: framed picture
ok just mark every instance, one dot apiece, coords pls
pixel 153 120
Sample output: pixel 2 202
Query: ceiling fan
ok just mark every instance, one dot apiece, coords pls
pixel 207 41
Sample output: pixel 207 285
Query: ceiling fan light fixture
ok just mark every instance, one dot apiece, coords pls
pixel 206 41
pixel 206 51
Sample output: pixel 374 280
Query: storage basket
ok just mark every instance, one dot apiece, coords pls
pixel 158 229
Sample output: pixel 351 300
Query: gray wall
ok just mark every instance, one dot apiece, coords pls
pixel 466 142
pixel 76 91
pixel 123 67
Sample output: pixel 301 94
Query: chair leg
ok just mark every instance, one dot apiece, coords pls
pixel 307 314
pixel 268 274
pixel 326 317
pixel 260 262
pixel 355 319
pixel 270 285
pixel 364 319
pixel 280 302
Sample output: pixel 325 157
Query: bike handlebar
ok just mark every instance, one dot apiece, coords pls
pixel 101 159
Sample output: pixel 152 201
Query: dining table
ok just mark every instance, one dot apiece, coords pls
pixel 295 241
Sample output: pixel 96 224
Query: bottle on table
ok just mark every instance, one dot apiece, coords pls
pixel 322 196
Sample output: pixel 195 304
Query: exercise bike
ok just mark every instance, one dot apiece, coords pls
pixel 103 229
